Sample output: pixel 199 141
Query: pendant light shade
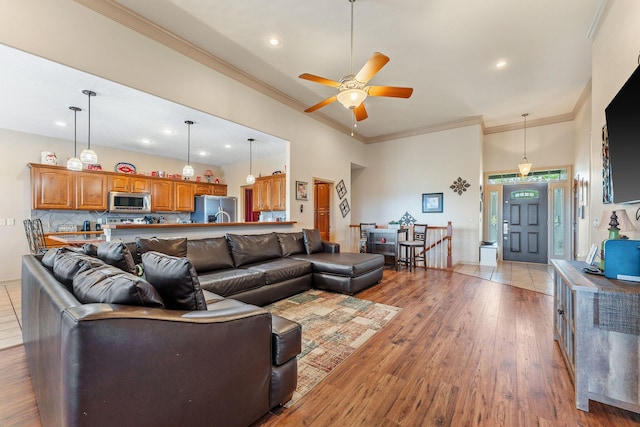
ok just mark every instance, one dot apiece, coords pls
pixel 187 171
pixel 74 163
pixel 88 155
pixel 250 178
pixel 524 166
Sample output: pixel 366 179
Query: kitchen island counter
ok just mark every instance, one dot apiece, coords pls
pixel 124 230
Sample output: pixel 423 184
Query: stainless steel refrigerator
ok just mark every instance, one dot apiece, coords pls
pixel 214 209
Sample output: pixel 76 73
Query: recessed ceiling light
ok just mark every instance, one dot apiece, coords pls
pixel 203 153
pixel 501 63
pixel 227 146
pixel 61 124
pixel 274 41
pixel 169 131
pixel 146 141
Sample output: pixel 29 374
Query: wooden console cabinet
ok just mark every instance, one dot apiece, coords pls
pixel 56 187
pixel 597 326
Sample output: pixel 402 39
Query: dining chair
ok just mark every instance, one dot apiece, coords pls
pixel 35 235
pixel 364 226
pixel 414 250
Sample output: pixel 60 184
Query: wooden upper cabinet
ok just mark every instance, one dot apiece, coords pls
pixel 203 189
pixel 270 193
pixel 52 188
pixel 129 183
pixel 219 189
pixel 207 189
pixel 91 191
pixel 184 192
pixel 278 192
pixel 161 195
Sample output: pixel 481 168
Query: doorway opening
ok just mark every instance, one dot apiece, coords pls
pixel 513 225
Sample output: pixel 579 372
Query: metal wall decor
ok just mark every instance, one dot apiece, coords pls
pixel 341 189
pixel 344 208
pixel 460 186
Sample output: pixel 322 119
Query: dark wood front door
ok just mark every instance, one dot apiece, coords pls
pixel 525 223
pixel 322 209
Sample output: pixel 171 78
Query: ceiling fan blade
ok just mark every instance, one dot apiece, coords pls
pixel 395 92
pixel 318 79
pixel 360 112
pixel 373 65
pixel 321 104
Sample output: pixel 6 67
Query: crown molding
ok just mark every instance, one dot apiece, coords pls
pixel 469 121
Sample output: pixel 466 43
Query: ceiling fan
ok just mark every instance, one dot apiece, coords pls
pixel 353 89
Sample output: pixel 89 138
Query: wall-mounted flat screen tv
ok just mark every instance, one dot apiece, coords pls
pixel 623 127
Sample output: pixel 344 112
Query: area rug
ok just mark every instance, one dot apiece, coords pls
pixel 333 327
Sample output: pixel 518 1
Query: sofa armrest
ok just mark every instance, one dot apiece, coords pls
pixel 286 337
pixel 330 247
pixel 176 360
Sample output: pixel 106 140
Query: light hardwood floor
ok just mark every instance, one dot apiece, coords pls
pixel 464 351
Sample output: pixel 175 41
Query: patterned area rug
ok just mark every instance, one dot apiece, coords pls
pixel 333 327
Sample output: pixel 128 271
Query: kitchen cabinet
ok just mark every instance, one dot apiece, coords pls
pixel 91 191
pixel 129 183
pixel 270 193
pixel 183 193
pixel 52 188
pixel 597 327
pixel 56 187
pixel 161 195
pixel 206 189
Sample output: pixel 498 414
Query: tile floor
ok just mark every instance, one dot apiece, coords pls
pixel 10 315
pixel 535 277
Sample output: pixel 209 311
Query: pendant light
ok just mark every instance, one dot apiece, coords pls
pixel 88 155
pixel 74 162
pixel 250 178
pixel 524 165
pixel 187 171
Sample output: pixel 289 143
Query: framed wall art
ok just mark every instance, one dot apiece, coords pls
pixel 432 202
pixel 302 190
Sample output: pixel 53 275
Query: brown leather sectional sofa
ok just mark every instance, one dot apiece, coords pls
pixel 186 346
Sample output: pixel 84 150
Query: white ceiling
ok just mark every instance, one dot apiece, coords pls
pixel 445 49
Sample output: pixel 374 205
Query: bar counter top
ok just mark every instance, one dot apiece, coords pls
pixel 128 226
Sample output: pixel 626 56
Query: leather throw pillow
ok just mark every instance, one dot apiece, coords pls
pixel 175 279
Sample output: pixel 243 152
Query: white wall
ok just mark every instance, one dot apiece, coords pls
pixel 614 58
pixel 66 32
pixel 400 171
pixel 549 145
pixel 582 167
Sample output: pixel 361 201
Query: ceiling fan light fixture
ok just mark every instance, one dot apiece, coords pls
pixel 351 98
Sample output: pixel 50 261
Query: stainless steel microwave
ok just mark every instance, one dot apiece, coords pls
pixel 129 202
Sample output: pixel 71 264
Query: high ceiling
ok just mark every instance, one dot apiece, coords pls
pixel 447 50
